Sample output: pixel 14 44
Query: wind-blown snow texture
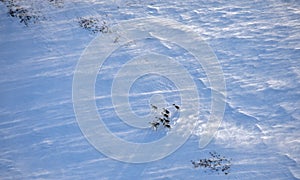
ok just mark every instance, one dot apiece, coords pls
pixel 257 44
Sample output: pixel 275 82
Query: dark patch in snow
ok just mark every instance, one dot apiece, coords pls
pixel 163 118
pixel 26 15
pixel 94 25
pixel 215 163
pixel 57 3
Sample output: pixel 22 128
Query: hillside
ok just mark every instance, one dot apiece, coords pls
pixel 151 52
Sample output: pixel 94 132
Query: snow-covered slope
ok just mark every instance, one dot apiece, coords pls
pixel 257 44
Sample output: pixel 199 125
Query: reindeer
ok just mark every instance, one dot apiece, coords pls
pixel 165 115
pixel 154 107
pixel 166 120
pixel 177 107
pixel 166 111
pixel 154 125
pixel 167 125
pixel 160 119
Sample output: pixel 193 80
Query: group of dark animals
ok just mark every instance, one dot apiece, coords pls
pixel 214 163
pixel 164 119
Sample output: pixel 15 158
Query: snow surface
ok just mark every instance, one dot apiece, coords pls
pixel 256 42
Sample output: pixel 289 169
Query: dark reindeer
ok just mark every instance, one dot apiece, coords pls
pixel 154 125
pixel 177 107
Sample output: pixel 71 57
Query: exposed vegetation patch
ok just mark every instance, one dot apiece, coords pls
pixel 215 163
pixel 94 25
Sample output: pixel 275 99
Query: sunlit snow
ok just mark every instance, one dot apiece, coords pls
pixel 257 44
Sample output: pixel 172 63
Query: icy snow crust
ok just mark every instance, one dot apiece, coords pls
pixel 257 45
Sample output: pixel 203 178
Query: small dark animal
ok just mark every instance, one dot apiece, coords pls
pixel 166 120
pixel 154 107
pixel 165 115
pixel 160 119
pixel 167 125
pixel 195 164
pixel 154 125
pixel 177 107
pixel 166 111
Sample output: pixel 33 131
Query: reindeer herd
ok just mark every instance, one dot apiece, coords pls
pixel 164 117
pixel 215 163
